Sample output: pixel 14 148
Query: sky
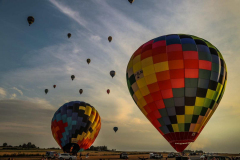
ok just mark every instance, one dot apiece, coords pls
pixel 37 57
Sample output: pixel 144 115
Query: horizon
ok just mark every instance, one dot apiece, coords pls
pixel 36 57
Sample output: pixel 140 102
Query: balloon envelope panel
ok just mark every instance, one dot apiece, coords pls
pixel 177 81
pixel 75 126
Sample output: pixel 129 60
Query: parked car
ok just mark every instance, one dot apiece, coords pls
pixel 51 154
pixel 155 156
pixel 123 155
pixel 182 158
pixel 203 156
pixel 171 155
pixel 218 157
pixel 66 156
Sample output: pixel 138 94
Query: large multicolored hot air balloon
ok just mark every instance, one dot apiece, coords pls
pixel 75 126
pixel 177 81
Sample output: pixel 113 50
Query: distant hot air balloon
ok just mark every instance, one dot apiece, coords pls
pixel 30 20
pixel 72 77
pixel 177 81
pixel 54 86
pixel 80 91
pixel 75 126
pixel 69 35
pixel 115 129
pixel 131 1
pixel 108 91
pixel 88 60
pixel 110 38
pixel 112 73
pixel 46 91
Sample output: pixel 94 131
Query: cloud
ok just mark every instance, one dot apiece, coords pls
pixel 42 103
pixel 71 13
pixel 95 38
pixel 23 121
pixel 3 93
pixel 104 120
pixel 19 91
pixel 13 96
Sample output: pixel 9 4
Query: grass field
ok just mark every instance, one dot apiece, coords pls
pixel 107 155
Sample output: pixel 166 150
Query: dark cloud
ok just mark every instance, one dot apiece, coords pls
pixel 23 121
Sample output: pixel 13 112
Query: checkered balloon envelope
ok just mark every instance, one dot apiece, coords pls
pixel 177 81
pixel 75 126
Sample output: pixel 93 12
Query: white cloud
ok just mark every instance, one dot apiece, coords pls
pixel 95 38
pixel 13 96
pixel 42 103
pixel 71 13
pixel 3 93
pixel 19 91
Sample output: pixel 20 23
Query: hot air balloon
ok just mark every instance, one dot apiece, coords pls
pixel 131 1
pixel 110 38
pixel 115 129
pixel 108 91
pixel 75 126
pixel 72 77
pixel 112 73
pixel 177 81
pixel 80 91
pixel 54 86
pixel 69 35
pixel 46 91
pixel 30 20
pixel 88 60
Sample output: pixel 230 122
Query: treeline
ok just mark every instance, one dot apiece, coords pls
pixel 98 148
pixel 28 145
pixel 193 152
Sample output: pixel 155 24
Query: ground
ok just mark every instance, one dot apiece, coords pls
pixel 92 154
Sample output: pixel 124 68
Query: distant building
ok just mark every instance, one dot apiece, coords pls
pixel 199 152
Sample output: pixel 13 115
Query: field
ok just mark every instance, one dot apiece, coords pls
pixel 106 155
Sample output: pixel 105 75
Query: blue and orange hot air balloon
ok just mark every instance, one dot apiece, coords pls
pixel 75 126
pixel 177 81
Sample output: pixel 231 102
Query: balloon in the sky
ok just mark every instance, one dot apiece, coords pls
pixel 75 126
pixel 69 35
pixel 108 91
pixel 54 86
pixel 80 91
pixel 131 1
pixel 88 60
pixel 72 77
pixel 110 38
pixel 112 73
pixel 115 129
pixel 30 20
pixel 177 81
pixel 46 91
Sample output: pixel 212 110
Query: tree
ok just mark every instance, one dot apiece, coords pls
pixel 24 145
pixel 29 145
pixel 5 144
